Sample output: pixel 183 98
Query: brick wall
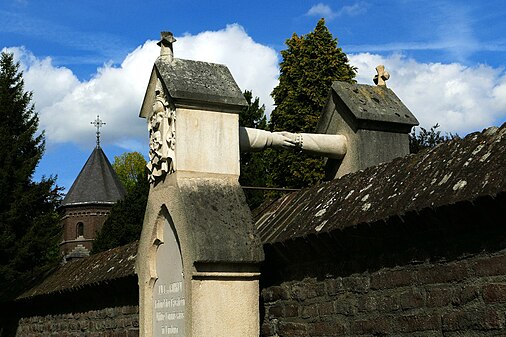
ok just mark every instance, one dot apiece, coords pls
pixel 92 217
pixel 391 279
pixel 108 322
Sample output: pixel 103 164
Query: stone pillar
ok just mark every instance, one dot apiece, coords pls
pixel 199 255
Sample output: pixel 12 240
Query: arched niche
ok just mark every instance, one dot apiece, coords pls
pixel 169 300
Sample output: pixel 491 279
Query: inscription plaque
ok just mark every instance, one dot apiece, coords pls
pixel 168 291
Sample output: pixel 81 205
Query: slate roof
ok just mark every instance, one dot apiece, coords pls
pixel 97 183
pixel 459 170
pixel 113 264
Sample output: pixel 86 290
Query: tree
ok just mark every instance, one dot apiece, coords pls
pixel 129 166
pixel 310 64
pixel 124 223
pixel 253 165
pixel 428 139
pixel 29 222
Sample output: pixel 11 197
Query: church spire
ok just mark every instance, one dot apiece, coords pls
pixel 98 124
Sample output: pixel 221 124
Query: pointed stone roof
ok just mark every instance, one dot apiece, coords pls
pixel 195 85
pixel 97 183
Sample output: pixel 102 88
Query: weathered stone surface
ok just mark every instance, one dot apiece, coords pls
pixel 374 121
pixel 194 84
pixel 220 222
pixel 368 104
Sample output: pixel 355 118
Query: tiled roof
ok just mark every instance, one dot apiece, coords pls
pixel 102 267
pixel 97 183
pixel 459 170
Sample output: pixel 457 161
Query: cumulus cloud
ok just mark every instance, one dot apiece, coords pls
pixel 460 98
pixel 66 105
pixel 253 65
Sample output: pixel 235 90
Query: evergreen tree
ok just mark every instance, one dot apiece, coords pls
pixel 426 139
pixel 124 223
pixel 29 222
pixel 310 64
pixel 253 165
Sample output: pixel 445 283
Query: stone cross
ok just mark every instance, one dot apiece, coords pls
pixel 166 41
pixel 382 76
pixel 98 124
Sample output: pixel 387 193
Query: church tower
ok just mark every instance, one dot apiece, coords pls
pixel 88 202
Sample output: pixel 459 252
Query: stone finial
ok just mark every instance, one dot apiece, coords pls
pixel 382 75
pixel 166 41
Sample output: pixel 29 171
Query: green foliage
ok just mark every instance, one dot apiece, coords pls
pixel 129 166
pixel 124 224
pixel 29 222
pixel 428 139
pixel 310 64
pixel 253 165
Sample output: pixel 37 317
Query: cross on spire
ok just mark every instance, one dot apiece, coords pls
pixel 98 124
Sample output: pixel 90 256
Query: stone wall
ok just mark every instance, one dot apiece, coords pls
pixel 386 279
pixel 107 309
pixel 430 299
pixel 112 322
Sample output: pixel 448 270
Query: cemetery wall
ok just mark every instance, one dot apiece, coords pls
pixel 390 280
pixel 112 322
pixel 108 309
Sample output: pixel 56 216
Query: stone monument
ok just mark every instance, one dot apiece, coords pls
pixel 373 120
pixel 199 255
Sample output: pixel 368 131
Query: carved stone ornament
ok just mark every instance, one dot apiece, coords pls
pixel 162 137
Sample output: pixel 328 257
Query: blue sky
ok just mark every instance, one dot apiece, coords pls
pixel 82 58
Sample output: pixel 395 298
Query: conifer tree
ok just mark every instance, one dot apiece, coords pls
pixel 29 229
pixel 426 139
pixel 253 165
pixel 310 64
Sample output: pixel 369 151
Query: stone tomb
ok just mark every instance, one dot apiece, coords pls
pixel 199 255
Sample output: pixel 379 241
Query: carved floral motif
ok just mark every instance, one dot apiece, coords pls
pixel 162 137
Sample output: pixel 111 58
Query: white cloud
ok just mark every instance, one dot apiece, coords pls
pixel 323 10
pixel 66 106
pixel 461 99
pixel 253 65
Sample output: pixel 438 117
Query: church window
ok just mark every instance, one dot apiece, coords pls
pixel 80 229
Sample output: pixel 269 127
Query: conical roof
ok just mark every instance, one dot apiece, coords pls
pixel 97 183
